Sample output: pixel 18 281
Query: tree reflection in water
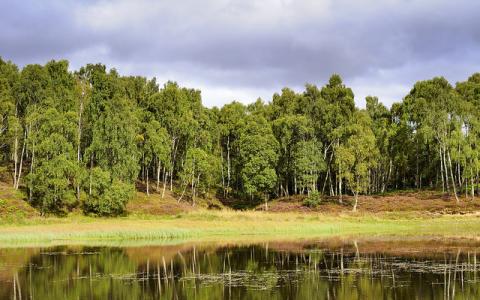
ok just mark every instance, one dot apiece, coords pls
pixel 379 269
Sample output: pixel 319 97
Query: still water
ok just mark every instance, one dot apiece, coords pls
pixel 381 268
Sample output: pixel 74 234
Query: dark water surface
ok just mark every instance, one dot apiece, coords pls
pixel 389 268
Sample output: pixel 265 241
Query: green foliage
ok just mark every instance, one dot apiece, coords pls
pixel 358 154
pixel 294 132
pixel 155 144
pixel 308 163
pixel 88 137
pixel 259 154
pixel 200 170
pixel 54 170
pixel 312 200
pixel 113 146
pixel 107 197
pixel 8 82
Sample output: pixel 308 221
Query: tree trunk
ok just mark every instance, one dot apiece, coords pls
pixel 466 189
pixel 159 165
pixel 416 165
pixel 385 182
pixel 328 171
pixel 165 177
pixel 79 138
pixel 193 193
pixel 355 196
pixel 20 167
pixel 477 178
pixel 174 153
pixel 183 192
pixel 148 191
pixel 441 171
pixel 286 188
pixel 195 190
pixel 30 189
pixel 445 167
pixel 295 184
pixel 459 179
pixel 339 178
pixel 15 161
pixel 340 190
pixel 171 178
pixel 473 188
pixel 90 178
pixel 193 187
pixel 332 192
pixel 223 175
pixel 453 179
pixel 15 151
pixel 228 163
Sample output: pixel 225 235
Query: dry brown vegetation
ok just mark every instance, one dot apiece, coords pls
pixel 154 204
pixel 428 202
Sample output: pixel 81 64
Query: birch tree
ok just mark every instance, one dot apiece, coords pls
pixel 358 155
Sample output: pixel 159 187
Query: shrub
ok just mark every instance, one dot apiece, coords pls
pixel 107 199
pixel 313 200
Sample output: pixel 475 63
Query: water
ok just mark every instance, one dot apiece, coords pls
pixel 388 268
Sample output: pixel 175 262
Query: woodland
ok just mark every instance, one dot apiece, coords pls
pixel 90 138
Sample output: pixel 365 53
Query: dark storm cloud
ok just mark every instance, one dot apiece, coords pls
pixel 253 44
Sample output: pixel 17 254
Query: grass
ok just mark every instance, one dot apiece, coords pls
pixel 152 220
pixel 216 225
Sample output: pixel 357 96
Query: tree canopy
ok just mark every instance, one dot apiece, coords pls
pixel 90 138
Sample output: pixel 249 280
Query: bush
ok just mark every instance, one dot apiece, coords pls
pixel 313 200
pixel 107 199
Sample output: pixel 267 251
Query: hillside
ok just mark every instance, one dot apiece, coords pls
pixel 13 206
pixel 427 202
pixel 153 204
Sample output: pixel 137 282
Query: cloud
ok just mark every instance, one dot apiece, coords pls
pixel 254 47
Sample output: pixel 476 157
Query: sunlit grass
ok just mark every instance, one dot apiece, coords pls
pixel 228 223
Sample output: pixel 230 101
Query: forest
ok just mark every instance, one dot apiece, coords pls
pixel 89 138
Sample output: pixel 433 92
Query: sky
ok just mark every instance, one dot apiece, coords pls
pixel 244 49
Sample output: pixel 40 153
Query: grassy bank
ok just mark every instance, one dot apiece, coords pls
pixel 231 224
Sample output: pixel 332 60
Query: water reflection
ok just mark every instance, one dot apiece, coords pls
pixel 332 269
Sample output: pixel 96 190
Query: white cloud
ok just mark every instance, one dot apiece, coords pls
pixel 109 15
pixel 218 96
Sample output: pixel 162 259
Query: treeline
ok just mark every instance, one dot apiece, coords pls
pixel 87 138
